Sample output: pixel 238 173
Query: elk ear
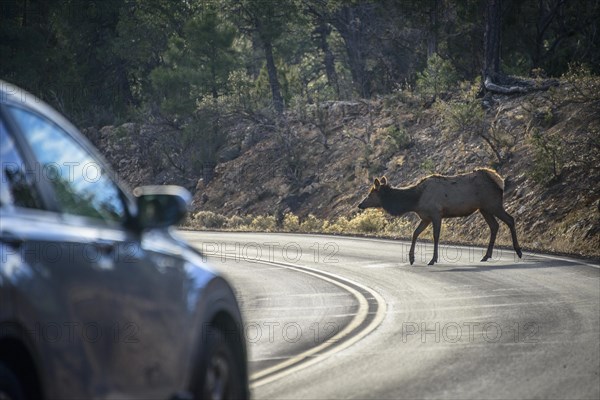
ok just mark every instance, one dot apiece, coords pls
pixel 376 184
pixel 384 181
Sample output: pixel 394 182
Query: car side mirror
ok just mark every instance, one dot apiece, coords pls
pixel 160 206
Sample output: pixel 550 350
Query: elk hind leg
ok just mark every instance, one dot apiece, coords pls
pixel 493 224
pixel 437 227
pixel 510 221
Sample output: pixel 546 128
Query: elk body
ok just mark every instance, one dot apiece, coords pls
pixel 437 196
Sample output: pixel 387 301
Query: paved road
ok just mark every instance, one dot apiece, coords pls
pixel 335 317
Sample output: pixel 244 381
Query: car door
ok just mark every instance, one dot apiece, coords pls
pixel 108 308
pixel 16 189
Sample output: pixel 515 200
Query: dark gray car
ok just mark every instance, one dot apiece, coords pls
pixel 98 297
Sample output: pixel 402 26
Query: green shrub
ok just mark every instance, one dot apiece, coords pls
pixel 370 221
pixel 400 227
pixel 464 117
pixel 291 223
pixel 398 136
pixel 437 77
pixel 311 224
pixel 583 86
pixel 239 223
pixel 210 220
pixel 428 166
pixel 549 156
pixel 340 225
pixel 264 223
pixel 465 114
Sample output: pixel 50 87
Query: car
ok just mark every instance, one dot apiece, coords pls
pixel 99 298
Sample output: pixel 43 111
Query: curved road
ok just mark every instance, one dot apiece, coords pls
pixel 337 317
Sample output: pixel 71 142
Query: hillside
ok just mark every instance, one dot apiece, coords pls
pixel 321 159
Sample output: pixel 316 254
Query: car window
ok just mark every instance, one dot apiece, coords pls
pixel 81 185
pixel 17 186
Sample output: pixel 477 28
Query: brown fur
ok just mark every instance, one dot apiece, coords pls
pixel 437 196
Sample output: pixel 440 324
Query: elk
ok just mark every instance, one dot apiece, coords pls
pixel 437 196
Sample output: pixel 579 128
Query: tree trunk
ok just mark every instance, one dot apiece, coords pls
pixel 492 39
pixel 350 27
pixel 546 14
pixel 24 20
pixel 273 81
pixel 432 37
pixel 357 66
pixel 328 60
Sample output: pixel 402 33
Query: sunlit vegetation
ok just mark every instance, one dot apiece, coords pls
pixel 186 89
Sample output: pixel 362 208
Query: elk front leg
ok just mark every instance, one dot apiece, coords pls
pixel 422 226
pixel 437 227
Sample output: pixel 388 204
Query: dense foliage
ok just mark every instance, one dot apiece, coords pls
pixel 190 64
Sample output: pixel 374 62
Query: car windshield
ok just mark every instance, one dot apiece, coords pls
pixel 80 183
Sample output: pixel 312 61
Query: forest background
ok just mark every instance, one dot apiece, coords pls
pixel 188 92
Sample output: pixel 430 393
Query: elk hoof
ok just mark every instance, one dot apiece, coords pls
pixel 432 262
pixel 519 253
pixel 411 259
pixel 485 258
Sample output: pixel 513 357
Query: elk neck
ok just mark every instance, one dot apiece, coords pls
pixel 398 201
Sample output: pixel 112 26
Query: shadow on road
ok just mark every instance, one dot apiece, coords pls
pixel 528 264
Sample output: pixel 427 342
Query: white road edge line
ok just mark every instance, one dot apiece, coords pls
pixel 406 242
pixel 462 246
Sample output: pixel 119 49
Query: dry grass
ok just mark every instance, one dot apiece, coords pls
pixel 568 237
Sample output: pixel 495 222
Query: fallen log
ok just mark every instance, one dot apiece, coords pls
pixel 527 88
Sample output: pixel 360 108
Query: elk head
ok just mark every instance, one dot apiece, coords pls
pixel 373 199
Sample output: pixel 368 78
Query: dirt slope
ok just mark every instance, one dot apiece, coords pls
pixel 321 160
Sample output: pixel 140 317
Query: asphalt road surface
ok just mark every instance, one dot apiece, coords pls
pixel 335 317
